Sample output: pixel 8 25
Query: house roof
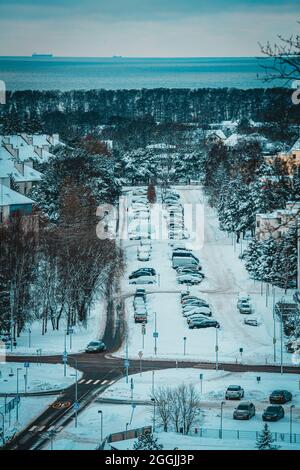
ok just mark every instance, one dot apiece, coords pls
pixel 296 145
pixel 8 168
pixel 218 132
pixel 9 197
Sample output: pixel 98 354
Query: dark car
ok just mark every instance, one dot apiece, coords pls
pixel 140 293
pixel 203 323
pixel 95 347
pixel 280 396
pixel 273 413
pixel 142 272
pixel 244 410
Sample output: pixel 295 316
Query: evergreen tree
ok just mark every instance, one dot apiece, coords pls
pixel 147 442
pixel 265 440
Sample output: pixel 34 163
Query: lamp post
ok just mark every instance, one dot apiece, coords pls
pixel 17 407
pixel 184 345
pixel 3 427
pixel 281 344
pixel 101 421
pixel 127 424
pixel 217 349
pixel 291 422
pixel 76 389
pixel 154 409
pixel 221 422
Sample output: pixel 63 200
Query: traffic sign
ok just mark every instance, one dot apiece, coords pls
pixel 70 331
pixel 131 384
pixel 65 354
pixel 76 405
pixel 26 364
pixel 201 376
pixel 140 354
pixel 155 334
pixel 126 363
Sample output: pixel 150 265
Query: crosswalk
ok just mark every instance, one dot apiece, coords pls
pixel 95 382
pixel 43 429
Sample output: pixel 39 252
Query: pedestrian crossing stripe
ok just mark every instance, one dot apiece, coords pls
pixel 32 428
pixel 95 382
pixel 42 428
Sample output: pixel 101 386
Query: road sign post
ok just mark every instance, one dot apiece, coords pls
pixel 201 380
pixel 143 334
pixel 140 356
pixel 131 388
pixel 26 366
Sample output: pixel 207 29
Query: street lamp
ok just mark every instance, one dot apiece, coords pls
pixel 17 407
pixel 217 350
pixel 76 389
pixel 154 409
pixel 184 345
pixel 291 422
pixel 101 435
pixel 127 424
pixel 3 427
pixel 221 423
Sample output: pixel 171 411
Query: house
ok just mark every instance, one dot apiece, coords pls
pixel 22 174
pixel 291 158
pixel 13 203
pixel 277 223
pixel 215 136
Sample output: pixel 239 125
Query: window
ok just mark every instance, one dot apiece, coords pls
pixel 258 224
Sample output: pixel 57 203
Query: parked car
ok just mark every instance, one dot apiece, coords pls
pixel 140 293
pixel 143 255
pixel 142 272
pixel 187 297
pixel 245 307
pixel 95 347
pixel 195 316
pixel 234 392
pixel 200 310
pixel 273 413
pixel 204 323
pixel 251 321
pixel 195 302
pixel 143 280
pixel 280 396
pixel 245 410
pixel 189 279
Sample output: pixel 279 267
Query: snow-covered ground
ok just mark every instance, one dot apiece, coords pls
pixel 225 278
pixel 44 377
pixel 40 377
pixel 53 342
pixel 115 416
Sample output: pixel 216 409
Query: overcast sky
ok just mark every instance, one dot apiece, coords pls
pixel 143 28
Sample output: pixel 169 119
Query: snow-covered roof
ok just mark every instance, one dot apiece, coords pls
pixel 9 197
pixel 232 140
pixel 217 132
pixel 8 168
pixel 161 146
pixel 296 145
pixel 40 139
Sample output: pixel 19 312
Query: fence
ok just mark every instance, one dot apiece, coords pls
pixel 248 435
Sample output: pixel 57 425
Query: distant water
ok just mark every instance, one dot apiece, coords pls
pixel 23 73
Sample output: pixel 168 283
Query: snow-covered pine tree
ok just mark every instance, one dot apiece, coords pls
pixel 265 440
pixel 147 442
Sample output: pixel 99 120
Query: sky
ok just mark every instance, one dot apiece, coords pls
pixel 144 28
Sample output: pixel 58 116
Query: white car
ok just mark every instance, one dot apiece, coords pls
pixel 199 310
pixel 189 279
pixel 143 255
pixel 138 235
pixel 143 280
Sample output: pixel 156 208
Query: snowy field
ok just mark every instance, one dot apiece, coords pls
pixel 225 278
pixel 53 342
pixel 40 378
pixel 115 417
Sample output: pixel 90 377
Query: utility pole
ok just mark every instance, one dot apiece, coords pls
pixel 217 350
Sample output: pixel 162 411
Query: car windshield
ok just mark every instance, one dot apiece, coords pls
pixel 243 407
pixel 272 409
pixel 278 392
pixel 95 343
pixel 234 387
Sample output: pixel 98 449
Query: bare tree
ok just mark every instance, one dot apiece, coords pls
pixel 164 401
pixel 283 59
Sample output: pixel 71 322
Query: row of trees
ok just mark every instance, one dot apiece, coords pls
pixel 57 267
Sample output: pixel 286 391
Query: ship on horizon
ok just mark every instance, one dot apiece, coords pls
pixel 38 56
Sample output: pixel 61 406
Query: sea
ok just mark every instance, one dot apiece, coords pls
pixel 75 73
